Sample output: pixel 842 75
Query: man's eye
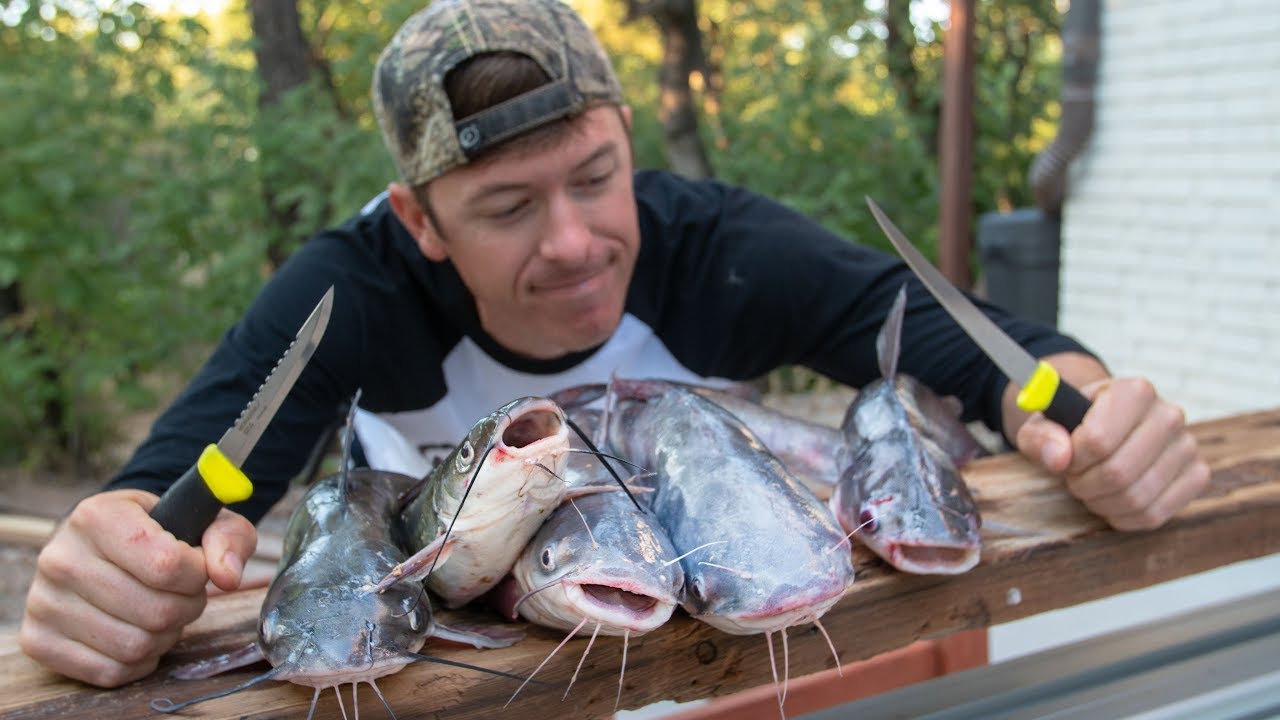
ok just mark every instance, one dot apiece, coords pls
pixel 507 211
pixel 597 180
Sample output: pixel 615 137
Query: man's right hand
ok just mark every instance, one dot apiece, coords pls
pixel 113 590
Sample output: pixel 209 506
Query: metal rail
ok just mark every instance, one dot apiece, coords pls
pixel 1218 663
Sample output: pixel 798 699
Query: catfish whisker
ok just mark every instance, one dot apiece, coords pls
pixel 552 473
pixel 773 665
pixel 740 573
pixel 378 691
pixel 315 696
pixel 544 661
pixel 600 454
pixel 467 666
pixel 786 664
pixel 585 524
pixel 592 446
pixel 626 639
pixel 678 559
pixel 549 584
pixel 834 654
pixel 165 705
pixel 845 539
pixel 337 691
pixel 581 660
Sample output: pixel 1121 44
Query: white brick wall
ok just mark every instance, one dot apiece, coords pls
pixel 1171 247
pixel 1171 230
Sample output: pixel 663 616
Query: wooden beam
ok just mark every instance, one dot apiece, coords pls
pixel 955 146
pixel 1043 551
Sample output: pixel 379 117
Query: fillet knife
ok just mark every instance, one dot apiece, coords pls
pixel 190 505
pixel 1041 388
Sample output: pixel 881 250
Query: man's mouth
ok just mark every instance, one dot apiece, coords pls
pixel 575 283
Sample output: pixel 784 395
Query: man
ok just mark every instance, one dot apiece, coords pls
pixel 520 254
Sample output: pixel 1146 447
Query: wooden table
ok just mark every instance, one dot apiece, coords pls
pixel 1061 556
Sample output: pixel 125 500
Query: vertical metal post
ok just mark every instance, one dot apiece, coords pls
pixel 955 146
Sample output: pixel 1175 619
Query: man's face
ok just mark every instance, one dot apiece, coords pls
pixel 545 239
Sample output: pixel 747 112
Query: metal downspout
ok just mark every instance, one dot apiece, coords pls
pixel 1080 50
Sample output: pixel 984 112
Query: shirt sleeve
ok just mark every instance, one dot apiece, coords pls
pixel 242 360
pixel 753 285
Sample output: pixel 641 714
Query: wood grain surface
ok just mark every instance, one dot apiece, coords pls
pixel 1042 551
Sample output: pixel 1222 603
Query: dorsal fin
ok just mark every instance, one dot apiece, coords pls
pixel 348 439
pixel 888 342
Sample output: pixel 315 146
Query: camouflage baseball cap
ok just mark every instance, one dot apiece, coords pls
pixel 409 98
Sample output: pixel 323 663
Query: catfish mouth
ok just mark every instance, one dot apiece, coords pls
pixel 934 559
pixel 621 608
pixel 539 422
pixel 616 597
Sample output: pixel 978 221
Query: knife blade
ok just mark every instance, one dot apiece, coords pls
pixel 1041 389
pixel 190 505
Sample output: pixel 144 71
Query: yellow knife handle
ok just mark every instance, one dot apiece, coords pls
pixel 1045 392
pixel 190 505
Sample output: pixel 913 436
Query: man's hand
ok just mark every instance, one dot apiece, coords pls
pixel 113 590
pixel 1132 460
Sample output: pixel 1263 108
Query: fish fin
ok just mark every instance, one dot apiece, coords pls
pixel 479 635
pixel 585 490
pixel 477 668
pixel 578 396
pixel 348 440
pixel 218 664
pixel 889 341
pixel 416 566
pixel 165 705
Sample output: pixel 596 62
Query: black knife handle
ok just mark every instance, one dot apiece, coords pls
pixel 1067 407
pixel 190 505
pixel 187 508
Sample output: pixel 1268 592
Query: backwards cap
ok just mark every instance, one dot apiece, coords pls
pixel 409 98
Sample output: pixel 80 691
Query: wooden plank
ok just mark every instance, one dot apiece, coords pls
pixel 25 530
pixel 1048 553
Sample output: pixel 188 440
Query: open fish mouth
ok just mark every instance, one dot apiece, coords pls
pixel 615 607
pixel 541 420
pixel 934 559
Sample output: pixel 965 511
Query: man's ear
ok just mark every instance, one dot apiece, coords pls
pixel 626 116
pixel 416 221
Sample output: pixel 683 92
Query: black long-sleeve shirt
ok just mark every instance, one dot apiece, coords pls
pixel 728 284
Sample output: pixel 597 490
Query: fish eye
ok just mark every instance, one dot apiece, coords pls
pixel 548 562
pixel 466 454
pixel 867 521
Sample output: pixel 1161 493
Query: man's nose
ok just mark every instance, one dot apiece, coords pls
pixel 568 237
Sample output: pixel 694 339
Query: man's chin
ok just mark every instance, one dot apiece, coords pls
pixel 590 333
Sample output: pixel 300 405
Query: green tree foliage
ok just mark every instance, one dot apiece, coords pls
pixel 124 229
pixel 136 155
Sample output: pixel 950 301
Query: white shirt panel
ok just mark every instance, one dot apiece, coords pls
pixel 478 385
